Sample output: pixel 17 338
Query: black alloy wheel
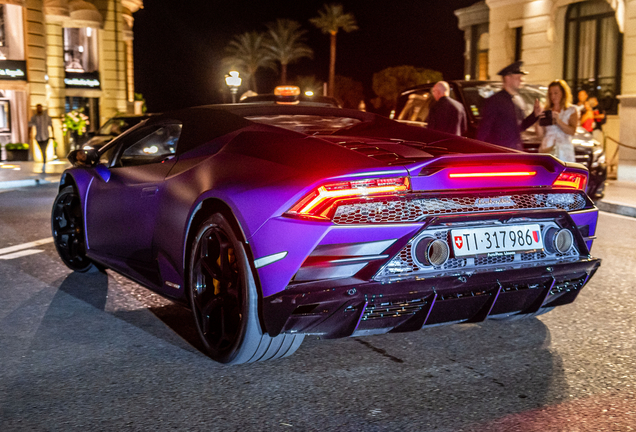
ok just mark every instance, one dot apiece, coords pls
pixel 67 225
pixel 224 299
pixel 217 295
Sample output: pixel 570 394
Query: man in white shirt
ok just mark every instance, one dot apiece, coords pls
pixel 41 122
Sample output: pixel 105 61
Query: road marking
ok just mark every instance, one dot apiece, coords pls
pixel 20 254
pixel 23 246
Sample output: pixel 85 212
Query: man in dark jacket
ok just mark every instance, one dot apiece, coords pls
pixel 446 114
pixel 502 115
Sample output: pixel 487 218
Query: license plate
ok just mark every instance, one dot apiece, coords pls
pixel 496 241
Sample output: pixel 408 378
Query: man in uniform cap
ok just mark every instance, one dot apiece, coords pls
pixel 503 115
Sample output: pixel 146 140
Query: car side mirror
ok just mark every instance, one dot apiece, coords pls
pixel 83 158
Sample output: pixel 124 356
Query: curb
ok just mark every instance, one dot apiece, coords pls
pixel 15 184
pixel 616 208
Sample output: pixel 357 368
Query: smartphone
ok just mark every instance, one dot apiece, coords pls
pixel 546 120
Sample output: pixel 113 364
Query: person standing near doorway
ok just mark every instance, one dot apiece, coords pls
pixel 503 117
pixel 446 114
pixel 41 122
pixel 559 127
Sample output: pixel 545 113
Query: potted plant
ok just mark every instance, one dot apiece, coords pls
pixel 75 123
pixel 17 151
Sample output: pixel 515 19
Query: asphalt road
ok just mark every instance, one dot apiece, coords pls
pixel 97 352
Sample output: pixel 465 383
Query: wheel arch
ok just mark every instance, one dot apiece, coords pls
pixel 201 212
pixel 67 180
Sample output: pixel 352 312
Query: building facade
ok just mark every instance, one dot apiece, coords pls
pixel 589 43
pixel 66 55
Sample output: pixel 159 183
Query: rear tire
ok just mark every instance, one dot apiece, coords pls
pixel 67 225
pixel 224 299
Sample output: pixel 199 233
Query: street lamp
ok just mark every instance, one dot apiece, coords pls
pixel 233 82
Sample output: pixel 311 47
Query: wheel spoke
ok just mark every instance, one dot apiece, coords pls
pixel 204 297
pixel 66 211
pixel 74 249
pixel 211 269
pixel 66 231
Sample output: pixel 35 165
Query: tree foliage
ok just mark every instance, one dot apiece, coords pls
pixel 247 54
pixel 286 43
pixel 348 91
pixel 330 20
pixel 390 82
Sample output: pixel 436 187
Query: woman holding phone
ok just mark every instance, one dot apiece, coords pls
pixel 558 122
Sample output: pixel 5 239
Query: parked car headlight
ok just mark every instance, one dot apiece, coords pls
pixel 583 142
pixel 598 158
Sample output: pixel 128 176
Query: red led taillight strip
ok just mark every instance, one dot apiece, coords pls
pixel 571 180
pixel 493 174
pixel 318 202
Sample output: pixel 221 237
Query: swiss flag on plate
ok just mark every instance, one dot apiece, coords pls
pixel 459 242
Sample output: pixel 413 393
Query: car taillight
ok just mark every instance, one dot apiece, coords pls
pixel 320 202
pixel 571 180
pixel 493 174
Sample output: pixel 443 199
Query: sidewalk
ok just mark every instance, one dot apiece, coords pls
pixel 620 195
pixel 22 174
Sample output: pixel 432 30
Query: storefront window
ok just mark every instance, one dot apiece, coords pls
pixel 11 33
pixel 80 50
pixel 3 39
pixel 593 47
pixel 479 51
pixel 5 121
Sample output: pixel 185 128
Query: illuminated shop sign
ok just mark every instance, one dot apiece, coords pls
pixel 14 70
pixel 86 80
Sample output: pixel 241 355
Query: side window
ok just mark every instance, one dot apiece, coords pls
pixel 106 157
pixel 151 148
pixel 417 106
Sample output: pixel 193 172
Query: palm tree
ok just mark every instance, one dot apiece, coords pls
pixel 247 52
pixel 286 44
pixel 331 18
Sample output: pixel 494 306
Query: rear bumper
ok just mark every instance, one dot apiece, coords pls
pixel 369 307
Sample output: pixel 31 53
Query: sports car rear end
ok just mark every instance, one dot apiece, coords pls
pixel 453 239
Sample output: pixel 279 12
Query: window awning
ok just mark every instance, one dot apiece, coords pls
pixel 56 10
pixel 84 14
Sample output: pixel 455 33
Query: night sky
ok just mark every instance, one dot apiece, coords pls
pixel 178 46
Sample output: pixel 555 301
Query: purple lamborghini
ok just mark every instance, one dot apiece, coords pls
pixel 274 222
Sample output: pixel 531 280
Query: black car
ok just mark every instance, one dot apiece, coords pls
pixel 414 104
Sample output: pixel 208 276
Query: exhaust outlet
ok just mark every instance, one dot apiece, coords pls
pixel 558 240
pixel 431 252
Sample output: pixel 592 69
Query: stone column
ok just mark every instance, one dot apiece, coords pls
pixel 35 41
pixel 56 87
pixel 112 61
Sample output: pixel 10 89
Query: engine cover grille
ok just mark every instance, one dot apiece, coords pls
pixel 405 209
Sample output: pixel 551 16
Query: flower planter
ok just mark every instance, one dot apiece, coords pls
pixel 17 155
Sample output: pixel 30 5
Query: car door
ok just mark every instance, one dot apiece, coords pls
pixel 122 201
